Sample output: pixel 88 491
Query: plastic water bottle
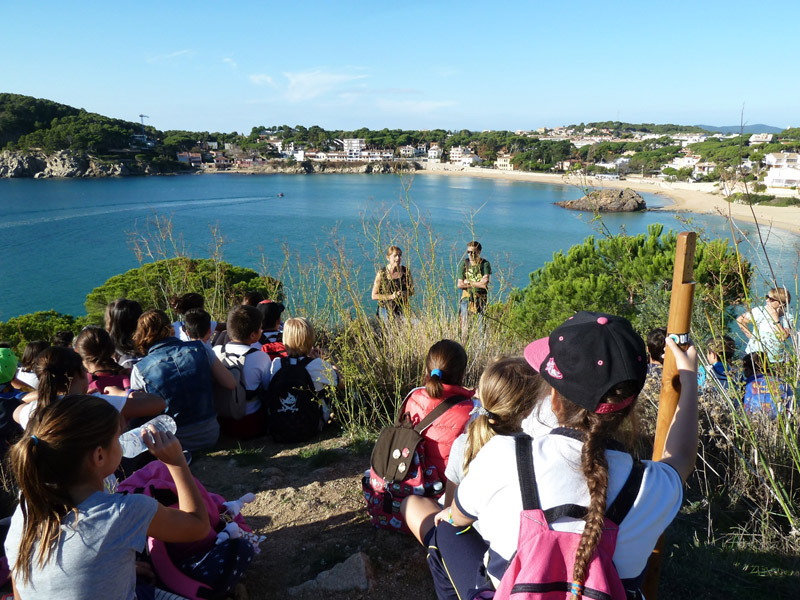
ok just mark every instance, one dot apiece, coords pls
pixel 131 441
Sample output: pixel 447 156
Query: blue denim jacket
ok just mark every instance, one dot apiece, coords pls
pixel 180 373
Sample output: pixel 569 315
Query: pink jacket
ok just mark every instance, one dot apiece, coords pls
pixel 440 436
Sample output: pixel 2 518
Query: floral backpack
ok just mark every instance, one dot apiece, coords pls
pixel 398 468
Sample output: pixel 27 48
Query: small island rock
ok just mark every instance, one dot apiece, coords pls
pixel 607 201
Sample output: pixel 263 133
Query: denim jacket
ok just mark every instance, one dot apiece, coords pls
pixel 180 373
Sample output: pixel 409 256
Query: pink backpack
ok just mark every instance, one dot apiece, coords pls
pixel 542 566
pixel 177 565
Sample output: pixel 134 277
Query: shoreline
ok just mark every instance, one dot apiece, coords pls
pixel 698 198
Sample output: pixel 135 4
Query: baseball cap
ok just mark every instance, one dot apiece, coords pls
pixel 587 355
pixel 8 365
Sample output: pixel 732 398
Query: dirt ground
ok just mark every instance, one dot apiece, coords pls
pixel 310 507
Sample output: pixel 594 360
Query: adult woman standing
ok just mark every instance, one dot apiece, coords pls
pixel 393 285
pixel 181 373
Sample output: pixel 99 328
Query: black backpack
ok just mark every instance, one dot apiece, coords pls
pixel 294 407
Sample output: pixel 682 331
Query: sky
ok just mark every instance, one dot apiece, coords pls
pixel 214 66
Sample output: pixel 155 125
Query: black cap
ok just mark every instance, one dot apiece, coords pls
pixel 588 355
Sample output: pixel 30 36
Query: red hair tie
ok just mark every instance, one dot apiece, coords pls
pixel 608 407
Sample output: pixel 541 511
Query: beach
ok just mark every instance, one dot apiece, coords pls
pixel 700 198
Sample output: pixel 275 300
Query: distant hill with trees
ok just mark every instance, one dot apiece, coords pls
pixel 758 128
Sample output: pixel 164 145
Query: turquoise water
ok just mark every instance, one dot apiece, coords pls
pixel 65 237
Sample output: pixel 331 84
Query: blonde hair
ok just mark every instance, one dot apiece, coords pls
pixel 781 294
pixel 392 249
pixel 509 389
pixel 298 336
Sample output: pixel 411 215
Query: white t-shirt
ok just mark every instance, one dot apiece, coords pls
pixel 256 370
pixel 490 493
pixel 26 411
pixel 764 338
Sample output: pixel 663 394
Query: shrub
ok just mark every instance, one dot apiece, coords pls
pixel 42 325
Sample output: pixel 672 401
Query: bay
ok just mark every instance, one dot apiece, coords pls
pixel 63 238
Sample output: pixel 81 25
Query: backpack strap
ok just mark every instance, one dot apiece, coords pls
pixel 437 412
pixel 526 473
pixel 623 503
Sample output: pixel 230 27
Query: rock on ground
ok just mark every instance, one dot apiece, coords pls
pixel 353 574
pixel 607 201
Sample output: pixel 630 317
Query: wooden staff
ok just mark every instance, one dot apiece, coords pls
pixel 680 318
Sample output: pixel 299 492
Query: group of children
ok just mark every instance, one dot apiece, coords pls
pixel 65 406
pixel 570 406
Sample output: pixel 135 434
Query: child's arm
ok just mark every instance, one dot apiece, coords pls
pixel 189 522
pixel 452 515
pixel 449 492
pixel 680 447
pixel 139 403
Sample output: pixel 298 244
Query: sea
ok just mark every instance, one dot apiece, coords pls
pixel 64 237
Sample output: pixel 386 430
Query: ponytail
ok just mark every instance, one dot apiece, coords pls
pixel 597 429
pixel 56 366
pixel 509 390
pixel 47 462
pixel 446 363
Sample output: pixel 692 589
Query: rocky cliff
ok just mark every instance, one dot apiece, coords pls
pixel 607 201
pixel 65 164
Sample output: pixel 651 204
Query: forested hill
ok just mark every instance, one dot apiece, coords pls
pixel 27 122
pixel 618 127
pixel 21 115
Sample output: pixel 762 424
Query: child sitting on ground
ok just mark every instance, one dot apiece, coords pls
pixel 244 329
pixel 96 349
pixel 509 392
pixel 197 325
pixel 719 353
pixel 272 336
pixel 26 379
pixel 68 539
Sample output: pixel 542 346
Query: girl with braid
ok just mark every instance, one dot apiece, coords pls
pixel 596 366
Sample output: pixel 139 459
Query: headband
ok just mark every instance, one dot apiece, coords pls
pixel 437 372
pixel 606 407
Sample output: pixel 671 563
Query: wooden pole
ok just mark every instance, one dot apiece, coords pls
pixel 680 318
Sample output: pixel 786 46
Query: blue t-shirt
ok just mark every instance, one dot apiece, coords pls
pixel 95 557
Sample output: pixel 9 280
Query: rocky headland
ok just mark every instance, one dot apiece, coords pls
pixel 64 163
pixel 607 200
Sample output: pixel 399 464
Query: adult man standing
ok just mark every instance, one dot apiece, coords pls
pixel 772 325
pixel 474 274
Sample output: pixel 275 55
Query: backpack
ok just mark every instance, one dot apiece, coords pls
pixel 232 404
pixel 198 570
pixel 398 468
pixel 276 349
pixel 294 407
pixel 542 565
pixel 766 394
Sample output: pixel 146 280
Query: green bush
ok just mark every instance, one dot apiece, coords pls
pixel 18 331
pixel 623 275
pixel 152 284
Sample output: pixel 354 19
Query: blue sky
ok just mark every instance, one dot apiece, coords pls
pixel 477 65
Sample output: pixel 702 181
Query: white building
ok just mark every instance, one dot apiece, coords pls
pixel 703 168
pixel 469 160
pixel 456 153
pixel 782 159
pixel 783 177
pixel 435 153
pixel 408 151
pixel 503 162
pixel 760 138
pixel 353 147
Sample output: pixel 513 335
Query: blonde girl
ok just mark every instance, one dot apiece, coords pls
pixel 69 539
pixel 509 390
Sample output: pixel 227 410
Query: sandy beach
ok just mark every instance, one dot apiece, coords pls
pixel 701 198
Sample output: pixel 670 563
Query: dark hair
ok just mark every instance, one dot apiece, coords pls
pixel 753 364
pixel 271 314
pixel 47 466
pixel 63 338
pixel 196 323
pixel 252 298
pixel 55 367
pixel 243 321
pixel 451 359
pixel 597 430
pixel 656 344
pixel 152 327
pixel 95 345
pixel 476 245
pixel 724 348
pixel 180 304
pixel 121 318
pixel 32 350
